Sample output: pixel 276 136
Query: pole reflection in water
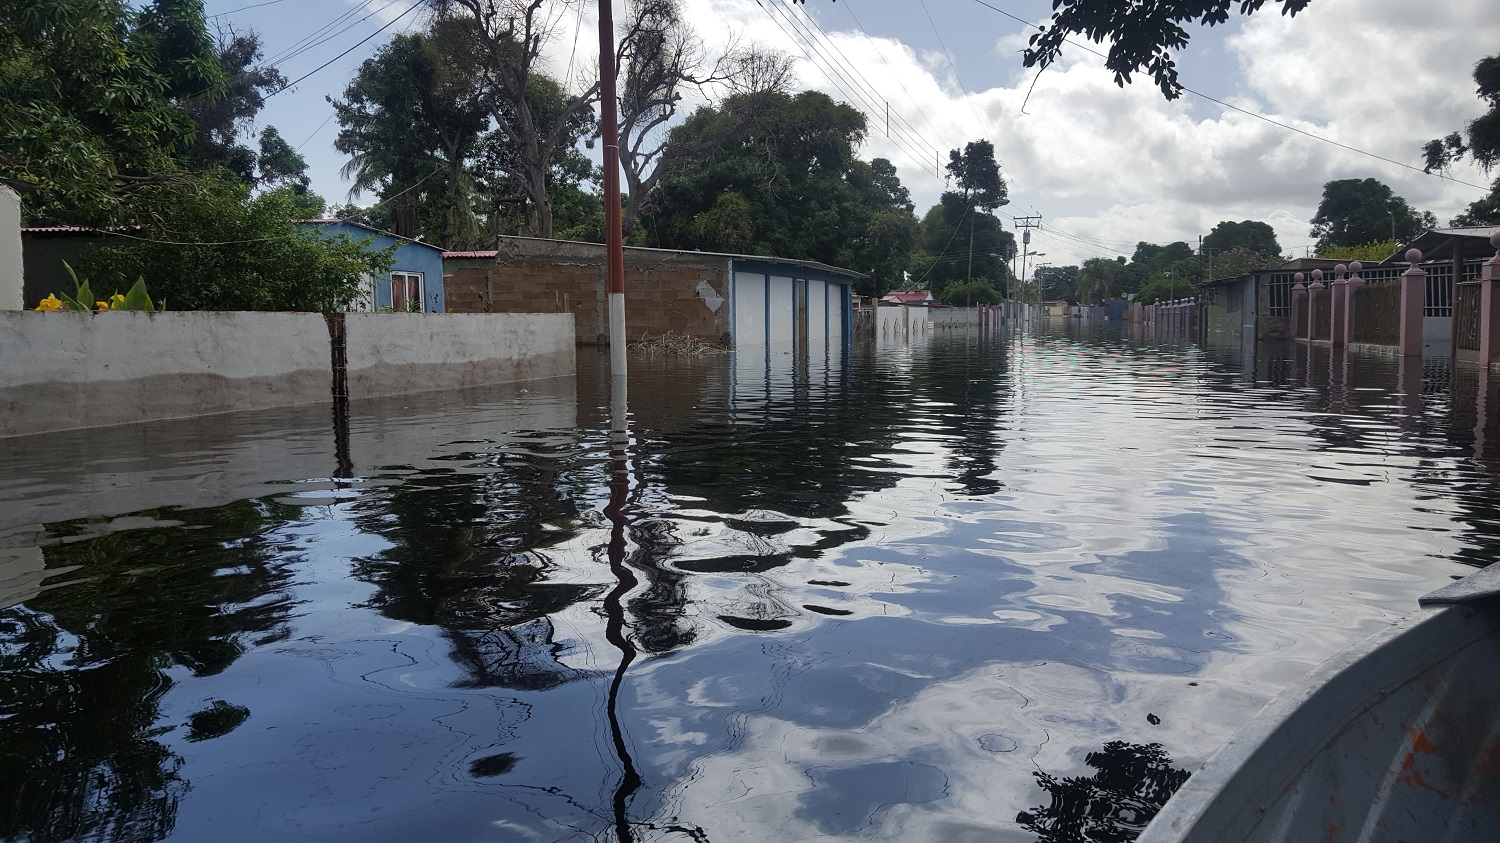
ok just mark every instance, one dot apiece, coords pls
pixel 614 605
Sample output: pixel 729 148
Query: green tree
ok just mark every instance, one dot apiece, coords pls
pixel 90 102
pixel 220 121
pixel 1250 235
pixel 505 41
pixel 499 161
pixel 1480 140
pixel 976 174
pixel 1057 282
pixel 966 293
pixel 222 250
pixel 410 120
pixel 1356 211
pixel 1097 280
pixel 792 162
pixel 1366 252
pixel 945 255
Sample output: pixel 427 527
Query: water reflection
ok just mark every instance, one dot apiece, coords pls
pixel 858 601
pixel 85 663
pixel 1131 784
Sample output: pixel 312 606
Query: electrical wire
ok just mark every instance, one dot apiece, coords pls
pixel 361 43
pixel 1250 113
pixel 954 67
pixel 244 9
pixel 809 48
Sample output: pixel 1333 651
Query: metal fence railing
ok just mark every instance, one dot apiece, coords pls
pixel 1377 314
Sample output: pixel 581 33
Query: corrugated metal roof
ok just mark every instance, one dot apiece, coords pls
pixel 369 228
pixel 53 229
pixel 1438 243
pixel 468 255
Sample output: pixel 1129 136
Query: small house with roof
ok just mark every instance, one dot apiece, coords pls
pixel 415 281
pixel 909 298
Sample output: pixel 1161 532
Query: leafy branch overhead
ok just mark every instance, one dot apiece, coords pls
pixel 1142 34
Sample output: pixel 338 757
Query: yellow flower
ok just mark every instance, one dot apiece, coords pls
pixel 51 302
pixel 102 305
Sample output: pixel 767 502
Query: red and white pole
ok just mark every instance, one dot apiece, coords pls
pixel 614 241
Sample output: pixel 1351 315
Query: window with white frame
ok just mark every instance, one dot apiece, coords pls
pixel 406 291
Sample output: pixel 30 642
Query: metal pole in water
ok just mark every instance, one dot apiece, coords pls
pixel 614 241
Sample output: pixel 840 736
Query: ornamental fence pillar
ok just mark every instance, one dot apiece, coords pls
pixel 1413 297
pixel 1299 307
pixel 1489 308
pixel 1351 292
pixel 1336 292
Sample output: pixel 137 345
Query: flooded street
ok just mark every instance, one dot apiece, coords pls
pixel 858 600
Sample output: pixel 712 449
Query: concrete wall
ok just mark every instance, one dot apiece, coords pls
pixel 12 273
pixel 63 370
pixel 396 353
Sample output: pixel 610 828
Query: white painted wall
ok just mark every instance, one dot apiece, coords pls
pixel 68 370
pixel 397 353
pixel 782 310
pixel 749 309
pixel 10 250
pixel 816 330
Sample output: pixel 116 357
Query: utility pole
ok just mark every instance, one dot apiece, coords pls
pixel 613 239
pixel 1025 225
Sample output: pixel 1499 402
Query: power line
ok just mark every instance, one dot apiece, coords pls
pixel 1250 113
pixel 906 142
pixel 833 73
pixel 361 43
pixel 849 7
pixel 961 86
pixel 245 9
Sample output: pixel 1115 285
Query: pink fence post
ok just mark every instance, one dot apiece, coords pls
pixel 1299 307
pixel 1413 297
pixel 1489 308
pixel 1314 290
pixel 1337 291
pixel 1355 282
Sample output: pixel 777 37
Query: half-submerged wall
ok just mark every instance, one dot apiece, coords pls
pixel 65 370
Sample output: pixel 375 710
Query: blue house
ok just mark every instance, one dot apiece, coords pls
pixel 415 281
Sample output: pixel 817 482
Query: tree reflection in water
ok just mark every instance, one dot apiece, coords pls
pixel 83 668
pixel 1114 805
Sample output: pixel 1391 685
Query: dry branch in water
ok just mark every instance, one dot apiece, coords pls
pixel 675 345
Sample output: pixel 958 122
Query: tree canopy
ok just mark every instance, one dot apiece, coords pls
pixel 91 98
pixel 1480 140
pixel 1357 211
pixel 269 264
pixel 1142 35
pixel 1250 235
pixel 777 174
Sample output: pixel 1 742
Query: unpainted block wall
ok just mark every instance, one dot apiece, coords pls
pixel 659 298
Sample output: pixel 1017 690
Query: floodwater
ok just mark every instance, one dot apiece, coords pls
pixel 859 601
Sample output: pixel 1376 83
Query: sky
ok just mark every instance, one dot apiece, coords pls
pixel 1105 167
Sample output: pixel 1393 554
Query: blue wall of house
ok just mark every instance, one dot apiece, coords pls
pixel 410 257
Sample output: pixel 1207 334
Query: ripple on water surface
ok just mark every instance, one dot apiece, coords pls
pixel 849 601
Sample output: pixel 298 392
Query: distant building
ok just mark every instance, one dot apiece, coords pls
pixel 910 298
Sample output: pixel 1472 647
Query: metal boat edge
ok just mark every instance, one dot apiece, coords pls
pixel 1395 735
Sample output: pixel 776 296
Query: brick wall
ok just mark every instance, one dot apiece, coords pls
pixel 662 291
